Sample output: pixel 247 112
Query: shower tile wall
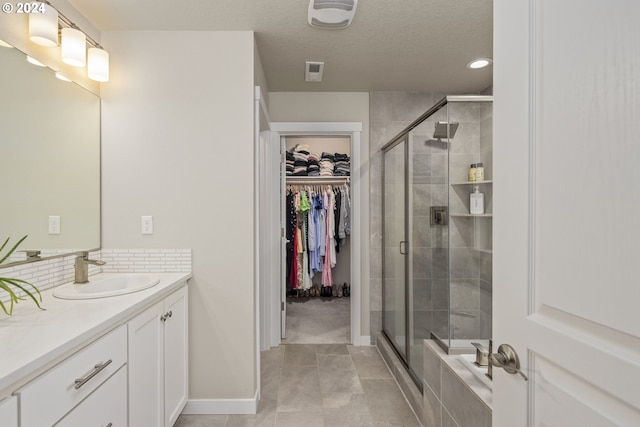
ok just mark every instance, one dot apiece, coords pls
pixel 389 113
pixel 470 265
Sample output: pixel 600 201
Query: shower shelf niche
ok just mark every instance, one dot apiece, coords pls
pixel 490 181
pixel 468 215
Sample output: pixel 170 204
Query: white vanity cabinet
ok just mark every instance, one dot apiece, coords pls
pixel 66 387
pixel 158 377
pixel 105 407
pixel 9 412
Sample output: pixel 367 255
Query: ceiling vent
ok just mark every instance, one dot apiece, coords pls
pixel 331 14
pixel 313 71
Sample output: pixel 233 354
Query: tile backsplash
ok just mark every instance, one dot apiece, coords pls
pixel 50 273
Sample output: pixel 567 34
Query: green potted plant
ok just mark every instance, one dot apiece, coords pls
pixel 7 283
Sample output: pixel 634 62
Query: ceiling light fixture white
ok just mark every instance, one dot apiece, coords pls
pixel 43 24
pixel 313 71
pixel 479 63
pixel 331 14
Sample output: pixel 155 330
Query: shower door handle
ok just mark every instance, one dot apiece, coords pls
pixel 403 242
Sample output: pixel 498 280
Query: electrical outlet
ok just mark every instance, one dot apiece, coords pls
pixel 54 224
pixel 147 224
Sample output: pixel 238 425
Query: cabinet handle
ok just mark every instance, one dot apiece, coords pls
pixel 170 313
pixel 109 425
pixel 165 316
pixel 99 367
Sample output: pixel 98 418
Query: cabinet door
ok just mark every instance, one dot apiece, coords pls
pixel 105 407
pixel 146 382
pixel 9 411
pixel 175 355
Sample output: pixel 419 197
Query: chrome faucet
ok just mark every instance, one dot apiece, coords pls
pixel 82 267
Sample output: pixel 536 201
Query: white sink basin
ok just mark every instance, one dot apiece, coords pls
pixel 106 285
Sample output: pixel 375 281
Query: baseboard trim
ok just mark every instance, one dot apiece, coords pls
pixel 221 406
pixel 362 341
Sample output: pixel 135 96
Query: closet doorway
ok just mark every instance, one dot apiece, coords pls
pixel 309 312
pixel 318 235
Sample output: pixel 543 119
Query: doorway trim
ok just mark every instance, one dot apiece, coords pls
pixel 353 130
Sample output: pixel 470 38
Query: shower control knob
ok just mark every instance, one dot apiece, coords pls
pixel 508 359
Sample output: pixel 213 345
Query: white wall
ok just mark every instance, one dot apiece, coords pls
pixel 177 144
pixel 336 107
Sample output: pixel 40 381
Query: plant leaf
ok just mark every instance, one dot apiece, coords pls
pixel 17 285
pixel 8 254
pixel 26 283
pixel 4 244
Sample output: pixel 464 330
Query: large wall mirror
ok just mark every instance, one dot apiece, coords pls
pixel 50 161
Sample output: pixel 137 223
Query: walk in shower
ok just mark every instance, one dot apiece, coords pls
pixel 437 254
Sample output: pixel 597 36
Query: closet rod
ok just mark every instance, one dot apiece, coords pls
pixel 318 181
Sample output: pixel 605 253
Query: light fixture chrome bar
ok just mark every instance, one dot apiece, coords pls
pixel 66 22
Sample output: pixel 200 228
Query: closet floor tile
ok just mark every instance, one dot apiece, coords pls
pixel 318 320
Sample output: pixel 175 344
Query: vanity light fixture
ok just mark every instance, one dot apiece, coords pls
pixel 73 41
pixel 74 47
pixel 34 61
pixel 479 63
pixel 61 77
pixel 43 24
pixel 98 64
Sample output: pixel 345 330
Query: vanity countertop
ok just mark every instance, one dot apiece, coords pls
pixel 32 340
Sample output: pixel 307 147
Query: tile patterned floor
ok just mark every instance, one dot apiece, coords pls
pixel 318 320
pixel 324 385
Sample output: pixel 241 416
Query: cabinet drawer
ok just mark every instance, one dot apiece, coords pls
pixel 107 406
pixel 50 396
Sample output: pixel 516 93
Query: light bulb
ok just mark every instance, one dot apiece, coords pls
pixel 74 47
pixel 43 26
pixel 98 65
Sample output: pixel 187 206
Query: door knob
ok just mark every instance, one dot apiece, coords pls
pixel 507 359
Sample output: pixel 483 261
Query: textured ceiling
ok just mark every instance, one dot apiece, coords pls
pixel 412 45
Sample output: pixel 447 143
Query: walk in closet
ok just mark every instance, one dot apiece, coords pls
pixel 317 200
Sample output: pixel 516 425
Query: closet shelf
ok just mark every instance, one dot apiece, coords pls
pixel 316 179
pixel 490 181
pixel 467 215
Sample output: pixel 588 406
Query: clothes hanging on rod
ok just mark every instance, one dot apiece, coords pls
pixel 316 227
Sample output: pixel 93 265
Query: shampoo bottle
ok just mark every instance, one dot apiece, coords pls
pixel 476 202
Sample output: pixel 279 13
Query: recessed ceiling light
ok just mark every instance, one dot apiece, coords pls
pixel 479 63
pixel 34 61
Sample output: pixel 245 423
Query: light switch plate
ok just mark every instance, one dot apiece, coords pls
pixel 147 224
pixel 54 224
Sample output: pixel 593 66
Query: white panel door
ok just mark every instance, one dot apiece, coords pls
pixel 567 211
pixel 275 136
pixel 146 382
pixel 176 361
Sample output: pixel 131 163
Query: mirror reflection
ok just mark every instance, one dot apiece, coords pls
pixel 50 170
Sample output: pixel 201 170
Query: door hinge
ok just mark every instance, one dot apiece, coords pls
pixel 282 306
pixel 282 232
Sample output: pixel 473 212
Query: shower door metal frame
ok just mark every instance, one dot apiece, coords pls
pixel 396 140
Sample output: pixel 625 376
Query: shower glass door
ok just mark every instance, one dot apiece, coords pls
pixel 395 247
